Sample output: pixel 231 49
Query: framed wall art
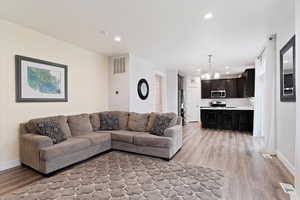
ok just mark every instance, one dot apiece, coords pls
pixel 40 81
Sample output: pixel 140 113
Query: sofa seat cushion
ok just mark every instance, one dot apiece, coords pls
pixel 123 136
pixel 96 138
pixel 66 147
pixel 146 139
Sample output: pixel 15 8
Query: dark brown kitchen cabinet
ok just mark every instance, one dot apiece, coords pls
pixel 205 89
pixel 249 76
pixel 231 88
pixel 242 87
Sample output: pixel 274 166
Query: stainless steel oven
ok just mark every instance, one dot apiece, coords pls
pixel 218 94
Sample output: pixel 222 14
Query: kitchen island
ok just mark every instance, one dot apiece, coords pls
pixel 227 118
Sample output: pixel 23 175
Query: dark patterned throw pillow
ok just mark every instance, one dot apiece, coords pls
pixel 109 122
pixel 161 123
pixel 51 129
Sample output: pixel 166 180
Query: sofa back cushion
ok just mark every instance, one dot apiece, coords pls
pixel 80 124
pixel 153 116
pixel 138 122
pixel 31 126
pixel 95 121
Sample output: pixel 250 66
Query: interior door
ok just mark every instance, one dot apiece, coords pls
pixel 158 94
pixel 192 104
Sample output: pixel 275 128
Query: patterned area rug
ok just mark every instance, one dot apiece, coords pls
pixel 124 176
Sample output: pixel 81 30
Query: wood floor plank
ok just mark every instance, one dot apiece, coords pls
pixel 248 176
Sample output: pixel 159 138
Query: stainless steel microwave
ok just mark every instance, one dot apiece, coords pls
pixel 218 94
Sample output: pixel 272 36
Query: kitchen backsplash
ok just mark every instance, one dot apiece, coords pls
pixel 240 102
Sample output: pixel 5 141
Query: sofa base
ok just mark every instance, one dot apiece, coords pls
pixel 47 167
pixel 159 152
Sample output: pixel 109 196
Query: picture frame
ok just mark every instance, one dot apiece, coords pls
pixel 143 89
pixel 288 71
pixel 40 81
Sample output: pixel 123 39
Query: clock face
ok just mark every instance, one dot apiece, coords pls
pixel 143 89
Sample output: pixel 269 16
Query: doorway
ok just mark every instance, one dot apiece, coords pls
pixel 158 107
pixel 193 99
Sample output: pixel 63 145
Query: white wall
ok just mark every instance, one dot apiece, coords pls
pixel 140 68
pixel 88 83
pixel 172 91
pixel 119 83
pixel 126 83
pixel 285 112
pixel 297 140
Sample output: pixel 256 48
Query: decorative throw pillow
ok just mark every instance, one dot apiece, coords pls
pixel 31 126
pixel 153 116
pixel 51 129
pixel 161 123
pixel 109 122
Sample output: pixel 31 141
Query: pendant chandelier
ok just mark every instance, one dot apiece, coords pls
pixel 211 72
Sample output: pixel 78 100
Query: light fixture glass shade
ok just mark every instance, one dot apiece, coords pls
pixel 217 75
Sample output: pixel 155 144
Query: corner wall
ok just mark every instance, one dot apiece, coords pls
pixel 140 68
pixel 88 83
pixel 285 111
pixel 297 140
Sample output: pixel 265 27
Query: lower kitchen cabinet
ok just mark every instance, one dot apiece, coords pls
pixel 241 120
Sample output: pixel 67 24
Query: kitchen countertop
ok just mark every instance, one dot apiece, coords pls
pixel 226 108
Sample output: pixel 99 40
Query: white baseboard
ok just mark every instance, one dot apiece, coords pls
pixel 286 163
pixel 9 164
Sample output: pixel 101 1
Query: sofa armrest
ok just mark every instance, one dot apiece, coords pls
pixel 36 141
pixel 173 132
pixel 30 145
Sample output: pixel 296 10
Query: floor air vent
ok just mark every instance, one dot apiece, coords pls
pixel 267 156
pixel 287 188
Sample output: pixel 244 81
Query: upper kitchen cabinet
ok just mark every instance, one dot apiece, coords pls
pixel 248 83
pixel 205 89
pixel 242 87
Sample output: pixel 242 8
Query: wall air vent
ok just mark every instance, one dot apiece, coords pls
pixel 119 65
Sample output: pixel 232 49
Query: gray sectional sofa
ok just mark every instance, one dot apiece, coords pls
pixel 85 138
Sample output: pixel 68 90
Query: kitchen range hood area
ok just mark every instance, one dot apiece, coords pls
pixel 226 104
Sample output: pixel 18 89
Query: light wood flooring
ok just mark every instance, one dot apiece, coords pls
pixel 248 176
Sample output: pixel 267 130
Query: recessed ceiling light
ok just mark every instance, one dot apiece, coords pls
pixel 198 70
pixel 227 72
pixel 227 67
pixel 208 16
pixel 118 39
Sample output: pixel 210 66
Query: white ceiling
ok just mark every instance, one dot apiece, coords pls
pixel 169 33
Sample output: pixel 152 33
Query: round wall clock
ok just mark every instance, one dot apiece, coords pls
pixel 143 89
